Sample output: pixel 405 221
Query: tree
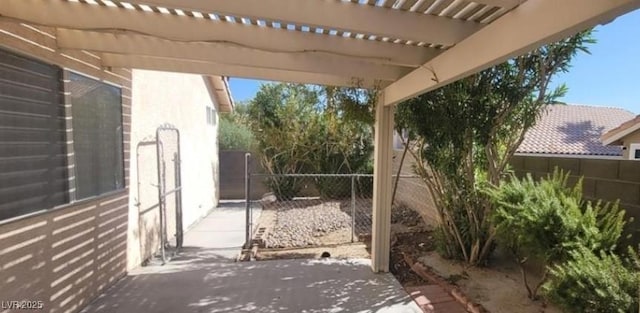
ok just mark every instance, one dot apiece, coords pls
pixel 468 130
pixel 234 131
pixel 235 136
pixel 345 141
pixel 284 120
pixel 311 129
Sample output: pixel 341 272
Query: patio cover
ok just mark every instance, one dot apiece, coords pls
pixel 402 47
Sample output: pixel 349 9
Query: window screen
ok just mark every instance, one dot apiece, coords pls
pixel 97 136
pixel 33 160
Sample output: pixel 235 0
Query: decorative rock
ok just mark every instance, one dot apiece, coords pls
pixel 300 223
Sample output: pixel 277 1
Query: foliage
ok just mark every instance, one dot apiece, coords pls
pixel 285 121
pixel 308 129
pixel 357 105
pixel 466 132
pixel 239 115
pixel 593 283
pixel 344 142
pixel 548 220
pixel 233 136
pixel 234 132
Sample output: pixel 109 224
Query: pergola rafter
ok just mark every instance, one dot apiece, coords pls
pixel 206 68
pixel 338 15
pixel 221 53
pixel 79 16
pixel 403 47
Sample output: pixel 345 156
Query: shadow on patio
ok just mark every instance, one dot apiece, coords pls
pixel 199 281
pixel 203 278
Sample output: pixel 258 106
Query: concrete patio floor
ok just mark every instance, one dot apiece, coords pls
pixel 204 278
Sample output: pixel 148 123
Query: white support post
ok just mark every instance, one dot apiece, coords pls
pixel 381 233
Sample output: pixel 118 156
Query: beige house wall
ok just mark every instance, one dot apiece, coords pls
pixel 628 140
pixel 181 101
pixel 67 255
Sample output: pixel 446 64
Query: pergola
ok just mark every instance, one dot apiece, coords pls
pixel 403 47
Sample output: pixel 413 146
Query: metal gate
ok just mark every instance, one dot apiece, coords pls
pixel 169 189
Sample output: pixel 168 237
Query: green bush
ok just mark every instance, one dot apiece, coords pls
pixel 333 187
pixel 284 188
pixel 306 129
pixel 593 283
pixel 234 136
pixel 548 220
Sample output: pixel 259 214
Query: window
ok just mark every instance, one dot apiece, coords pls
pixel 634 151
pixel 33 159
pixel 35 147
pixel 97 136
pixel 211 116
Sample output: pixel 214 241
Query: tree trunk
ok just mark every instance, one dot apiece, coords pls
pixel 395 185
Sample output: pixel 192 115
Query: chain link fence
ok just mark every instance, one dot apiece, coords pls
pixel 302 210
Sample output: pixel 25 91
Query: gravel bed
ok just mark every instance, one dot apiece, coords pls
pixel 303 223
pixel 300 224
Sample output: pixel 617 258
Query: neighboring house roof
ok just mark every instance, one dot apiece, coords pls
pixel 615 136
pixel 574 129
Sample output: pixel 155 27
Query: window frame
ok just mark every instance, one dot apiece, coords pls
pixel 634 149
pixel 69 116
pixel 63 100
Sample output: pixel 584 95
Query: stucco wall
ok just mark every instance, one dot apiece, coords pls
pixel 65 256
pixel 180 100
pixel 628 140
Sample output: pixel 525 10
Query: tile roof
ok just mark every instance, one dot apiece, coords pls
pixel 574 129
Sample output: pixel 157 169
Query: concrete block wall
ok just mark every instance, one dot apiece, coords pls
pixel 413 192
pixel 232 176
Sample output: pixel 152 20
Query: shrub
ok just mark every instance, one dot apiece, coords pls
pixel 284 188
pixel 548 220
pixel 593 283
pixel 234 136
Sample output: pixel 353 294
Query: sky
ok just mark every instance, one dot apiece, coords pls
pixel 609 76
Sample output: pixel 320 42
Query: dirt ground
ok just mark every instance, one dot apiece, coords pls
pixel 414 244
pixel 498 288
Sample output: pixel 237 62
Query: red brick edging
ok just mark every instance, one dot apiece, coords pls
pixel 454 291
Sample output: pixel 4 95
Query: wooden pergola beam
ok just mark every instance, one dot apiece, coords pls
pixel 530 25
pixel 74 15
pixel 206 68
pixel 339 15
pixel 505 4
pixel 131 44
